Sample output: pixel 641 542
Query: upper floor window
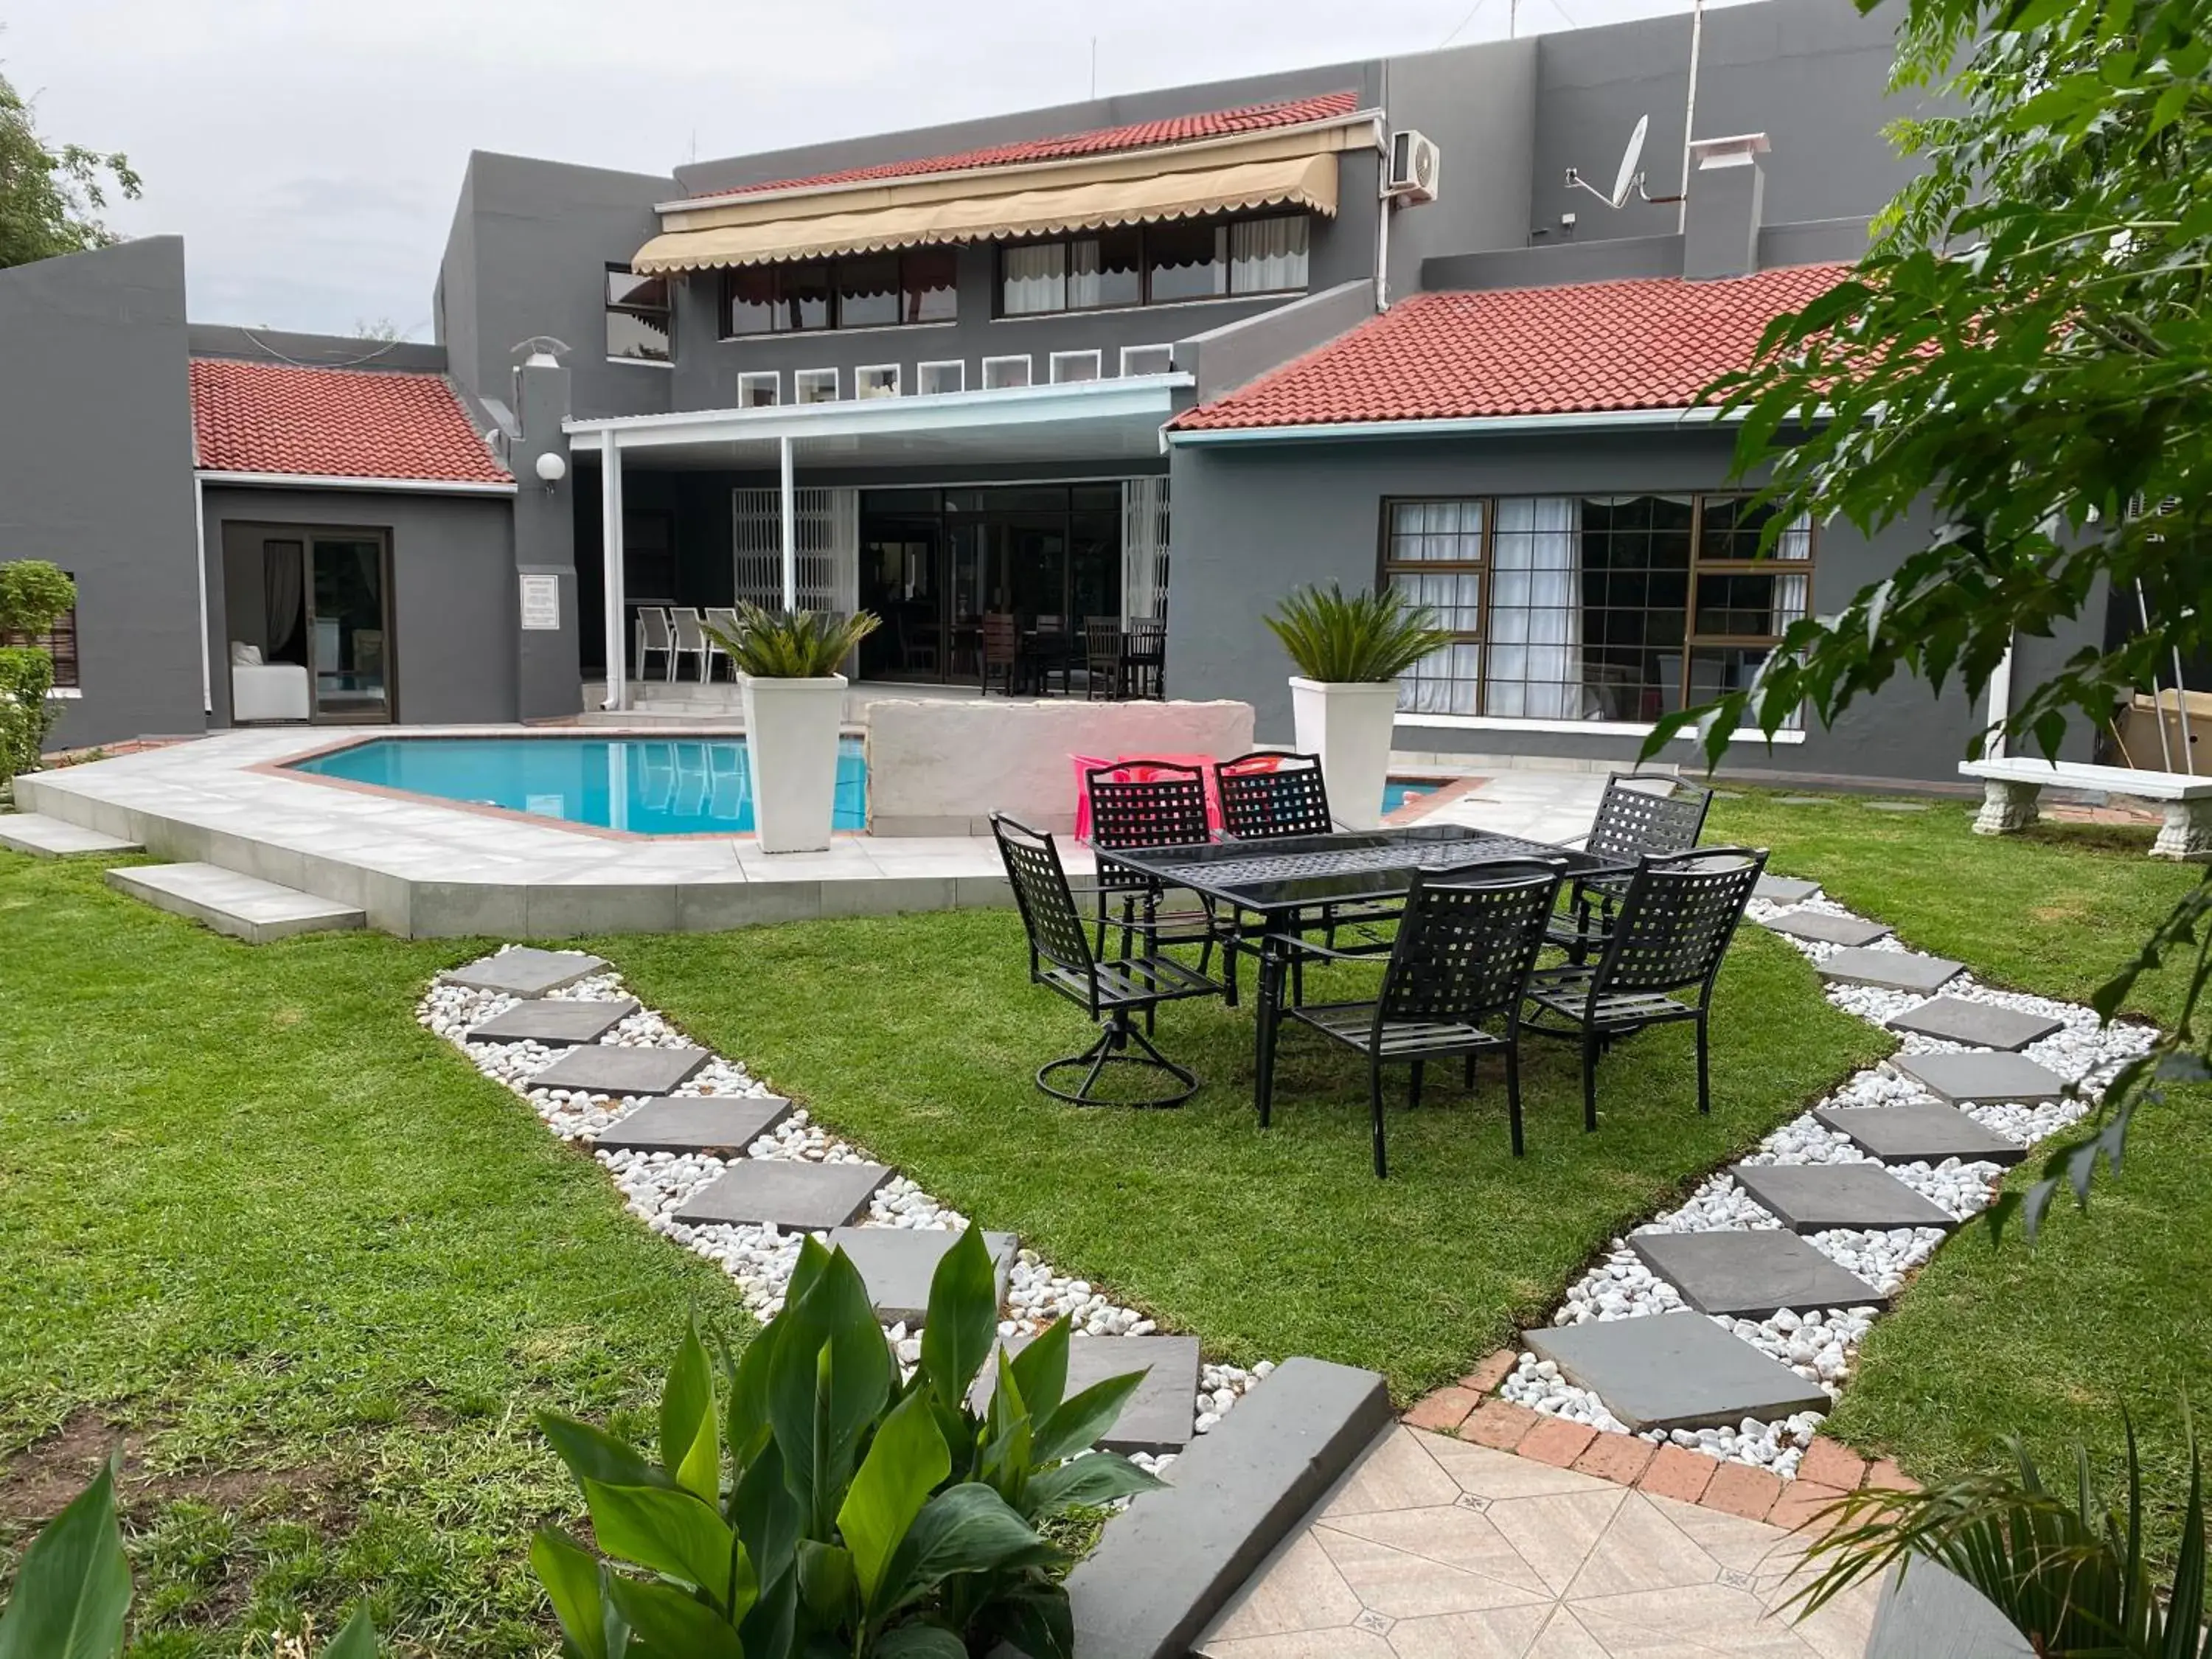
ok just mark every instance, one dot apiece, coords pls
pixel 1592 607
pixel 872 290
pixel 1155 264
pixel 639 325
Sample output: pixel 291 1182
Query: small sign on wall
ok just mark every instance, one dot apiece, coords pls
pixel 541 602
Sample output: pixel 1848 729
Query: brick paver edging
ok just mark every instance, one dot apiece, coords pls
pixel 1468 1410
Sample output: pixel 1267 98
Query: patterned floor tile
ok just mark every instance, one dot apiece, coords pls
pixel 1642 1550
pixel 1298 1589
pixel 1554 1535
pixel 1396 1474
pixel 1403 1585
pixel 1452 1537
pixel 1488 1474
pixel 1498 1633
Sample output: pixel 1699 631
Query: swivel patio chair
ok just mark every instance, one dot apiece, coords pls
pixel 1112 992
pixel 1154 803
pixel 1631 820
pixel 1465 946
pixel 1677 915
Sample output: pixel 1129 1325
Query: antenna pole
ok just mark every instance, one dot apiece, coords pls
pixel 1094 66
pixel 1512 18
pixel 1690 110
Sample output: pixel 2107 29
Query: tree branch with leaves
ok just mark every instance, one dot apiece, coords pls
pixel 52 194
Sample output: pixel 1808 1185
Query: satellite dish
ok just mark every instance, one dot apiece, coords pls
pixel 1627 177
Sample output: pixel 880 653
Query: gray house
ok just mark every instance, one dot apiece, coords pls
pixel 1163 356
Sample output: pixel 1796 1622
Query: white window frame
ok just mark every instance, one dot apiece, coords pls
pixel 753 377
pixel 1029 371
pixel 1053 360
pixel 958 365
pixel 836 386
pixel 1163 346
pixel 898 382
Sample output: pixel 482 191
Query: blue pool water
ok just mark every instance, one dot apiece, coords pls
pixel 1398 791
pixel 648 785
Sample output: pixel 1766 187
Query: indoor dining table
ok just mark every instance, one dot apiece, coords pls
pixel 1280 881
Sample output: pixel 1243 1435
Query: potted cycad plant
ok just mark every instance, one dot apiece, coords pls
pixel 1349 650
pixel 794 703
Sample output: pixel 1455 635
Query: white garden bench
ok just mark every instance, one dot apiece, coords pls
pixel 2011 784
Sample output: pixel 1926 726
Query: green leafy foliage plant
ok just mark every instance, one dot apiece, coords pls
pixel 807 1500
pixel 34 594
pixel 2070 1574
pixel 793 645
pixel 1342 639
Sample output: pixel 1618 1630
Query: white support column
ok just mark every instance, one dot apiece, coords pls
pixel 611 562
pixel 1997 741
pixel 787 518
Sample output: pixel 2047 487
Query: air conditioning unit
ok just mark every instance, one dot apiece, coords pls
pixel 1414 159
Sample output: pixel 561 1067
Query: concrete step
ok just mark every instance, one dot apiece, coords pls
pixel 56 838
pixel 243 907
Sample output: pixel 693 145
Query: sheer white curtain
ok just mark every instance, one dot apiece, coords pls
pixel 1535 668
pixel 1036 278
pixel 1265 255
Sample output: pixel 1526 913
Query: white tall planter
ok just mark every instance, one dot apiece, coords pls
pixel 1348 725
pixel 791 728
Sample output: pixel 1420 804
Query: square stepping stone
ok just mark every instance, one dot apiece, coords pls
pixel 557 1022
pixel 1973 1079
pixel 1784 890
pixel 1891 971
pixel 608 1069
pixel 1811 1198
pixel 789 1192
pixel 1160 1416
pixel 1825 929
pixel 897 1264
pixel 1675 1371
pixel 1920 1131
pixel 1984 1025
pixel 1896 805
pixel 723 1124
pixel 1751 1275
pixel 526 971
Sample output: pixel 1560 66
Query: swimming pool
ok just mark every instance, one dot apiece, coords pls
pixel 646 785
pixel 1397 791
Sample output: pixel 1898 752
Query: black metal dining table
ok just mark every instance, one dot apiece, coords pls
pixel 1280 881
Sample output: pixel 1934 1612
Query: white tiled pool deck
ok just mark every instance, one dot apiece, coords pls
pixel 424 869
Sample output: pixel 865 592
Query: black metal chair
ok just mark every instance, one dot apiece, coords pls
pixel 1466 947
pixel 1267 797
pixel 1111 990
pixel 1164 807
pixel 1677 915
pixel 1632 819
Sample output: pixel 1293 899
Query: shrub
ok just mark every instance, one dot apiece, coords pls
pixel 822 1504
pixel 793 645
pixel 34 594
pixel 1340 639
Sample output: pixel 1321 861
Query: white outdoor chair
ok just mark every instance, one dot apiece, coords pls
pixel 652 635
pixel 690 641
pixel 726 618
pixel 693 778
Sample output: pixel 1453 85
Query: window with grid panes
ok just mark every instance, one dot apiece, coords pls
pixel 1432 553
pixel 1616 608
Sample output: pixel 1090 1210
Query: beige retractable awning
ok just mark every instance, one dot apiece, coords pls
pixel 1307 181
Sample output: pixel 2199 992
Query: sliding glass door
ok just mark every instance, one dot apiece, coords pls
pixel 349 631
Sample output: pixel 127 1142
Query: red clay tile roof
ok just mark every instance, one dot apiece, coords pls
pixel 1649 343
pixel 1141 134
pixel 334 423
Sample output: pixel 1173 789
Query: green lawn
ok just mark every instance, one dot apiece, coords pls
pixel 2109 1311
pixel 314 1268
pixel 918 1036
pixel 318 1272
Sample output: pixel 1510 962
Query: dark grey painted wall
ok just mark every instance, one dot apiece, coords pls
pixel 1251 522
pixel 803 161
pixel 454 596
pixel 1341 250
pixel 527 255
pixel 1479 103
pixel 96 474
pixel 1811 74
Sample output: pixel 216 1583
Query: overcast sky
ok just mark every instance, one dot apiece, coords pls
pixel 309 150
